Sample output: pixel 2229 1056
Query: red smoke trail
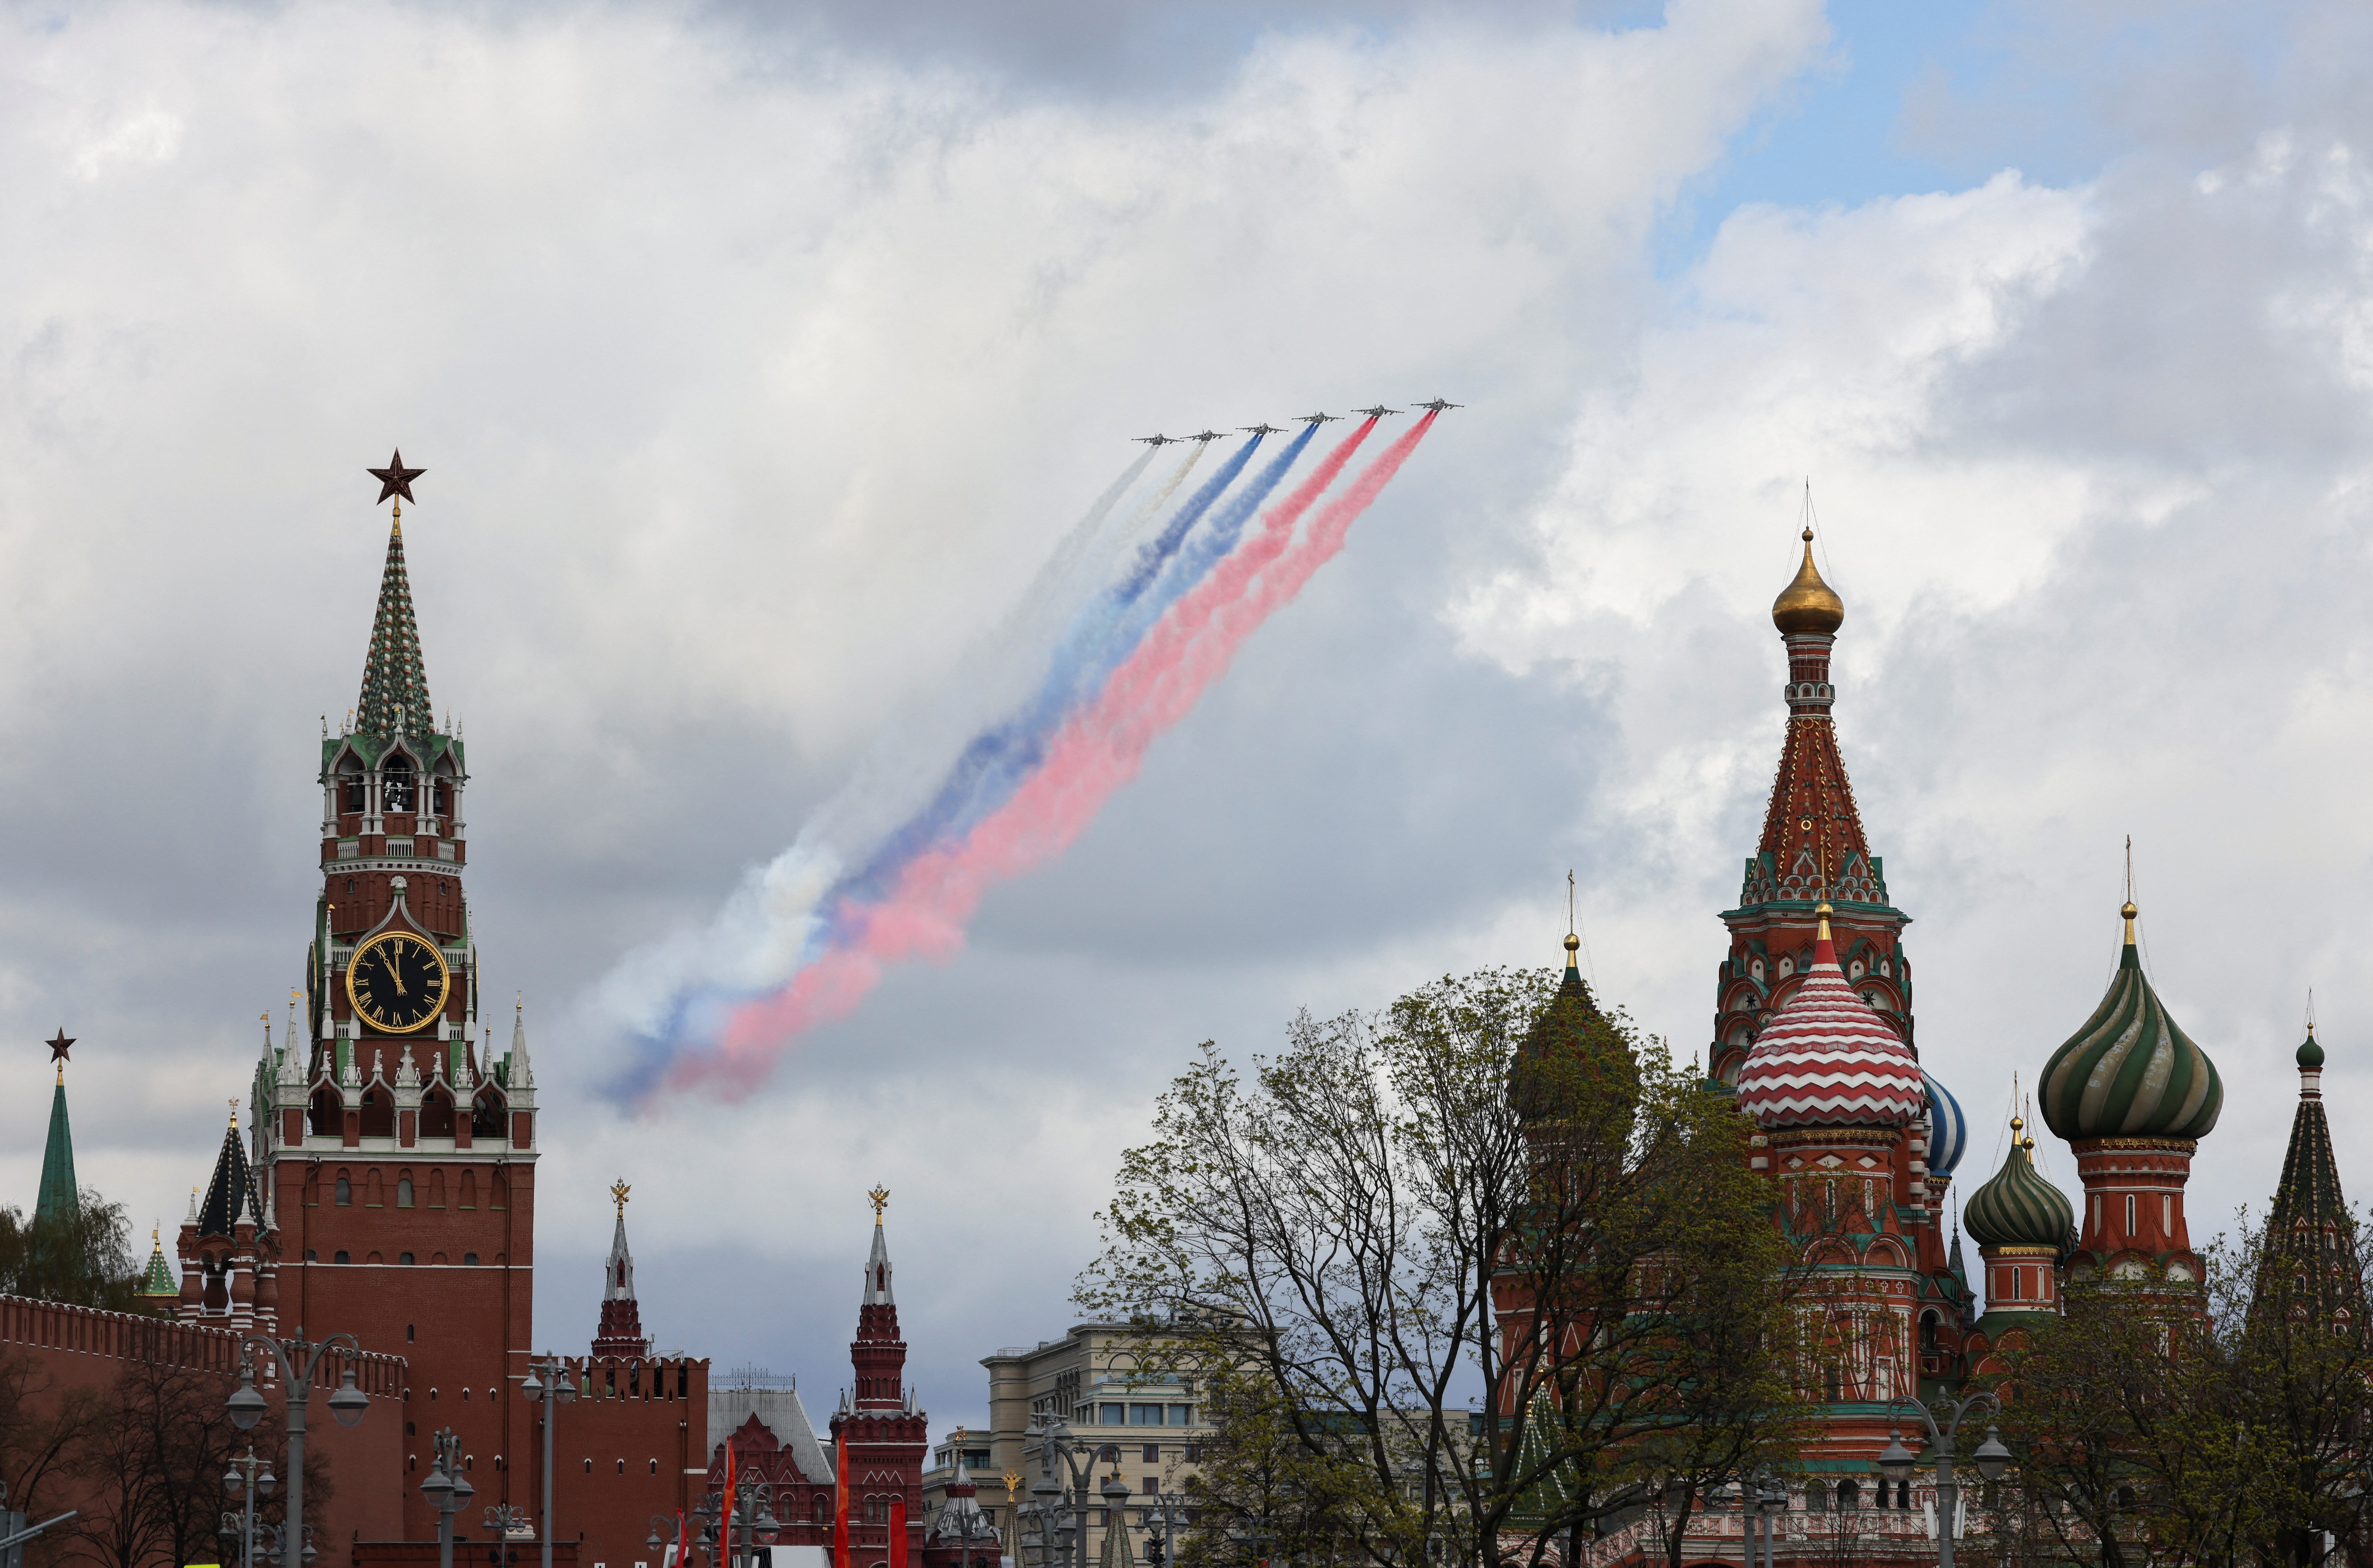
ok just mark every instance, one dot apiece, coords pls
pixel 1093 754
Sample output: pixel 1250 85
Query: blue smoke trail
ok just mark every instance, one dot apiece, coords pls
pixel 993 765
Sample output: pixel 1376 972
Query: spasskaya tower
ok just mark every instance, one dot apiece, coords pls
pixel 395 1157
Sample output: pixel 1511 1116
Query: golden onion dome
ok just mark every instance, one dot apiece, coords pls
pixel 1808 604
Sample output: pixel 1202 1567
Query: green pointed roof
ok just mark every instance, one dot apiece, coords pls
pixel 2309 1199
pixel 60 1197
pixel 2129 1071
pixel 158 1280
pixel 2018 1208
pixel 395 681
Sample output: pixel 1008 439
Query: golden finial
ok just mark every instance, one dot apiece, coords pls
pixel 1808 605
pixel 618 1190
pixel 234 1116
pixel 1013 1485
pixel 881 1196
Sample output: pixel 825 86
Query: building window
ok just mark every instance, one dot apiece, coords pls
pixel 1145 1415
pixel 346 1192
pixel 341 1256
pixel 404 1257
pixel 1152 1486
pixel 1194 1453
pixel 1182 1415
pixel 311 1255
pixel 470 1260
pixel 1153 1453
pixel 2167 1212
pixel 1112 1415
pixel 407 1340
pixel 403 1192
pixel 2130 1215
pixel 1849 1496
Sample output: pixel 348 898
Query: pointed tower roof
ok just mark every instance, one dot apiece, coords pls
pixel 877 1263
pixel 60 1197
pixel 2018 1207
pixel 159 1280
pixel 1827 1059
pixel 231 1194
pixel 2129 1071
pixel 394 698
pixel 2307 1204
pixel 621 1333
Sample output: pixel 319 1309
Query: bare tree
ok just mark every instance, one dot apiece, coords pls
pixel 1499 1270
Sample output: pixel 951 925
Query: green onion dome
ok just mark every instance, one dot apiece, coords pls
pixel 2018 1208
pixel 2129 1071
pixel 2311 1055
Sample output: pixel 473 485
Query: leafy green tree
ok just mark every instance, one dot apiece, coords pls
pixel 1485 1269
pixel 85 1258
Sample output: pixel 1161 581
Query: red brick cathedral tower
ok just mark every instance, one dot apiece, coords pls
pixel 399 1154
pixel 885 1433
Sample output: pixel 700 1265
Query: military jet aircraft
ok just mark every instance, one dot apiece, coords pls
pixel 1376 412
pixel 1438 404
pixel 1159 441
pixel 1316 418
pixel 1260 430
pixel 1204 436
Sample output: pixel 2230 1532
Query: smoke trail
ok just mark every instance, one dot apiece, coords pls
pixel 769 925
pixel 1094 753
pixel 993 765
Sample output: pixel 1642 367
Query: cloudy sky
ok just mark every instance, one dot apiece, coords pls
pixel 758 355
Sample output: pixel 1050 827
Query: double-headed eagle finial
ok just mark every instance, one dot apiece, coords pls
pixel 618 1190
pixel 881 1196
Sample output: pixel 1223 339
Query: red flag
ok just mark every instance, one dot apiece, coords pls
pixel 898 1532
pixel 683 1546
pixel 725 1516
pixel 840 1505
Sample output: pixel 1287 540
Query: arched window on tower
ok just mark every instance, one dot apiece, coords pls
pixel 442 803
pixel 345 1190
pixel 329 1113
pixel 437 1111
pixel 396 778
pixel 350 785
pixel 379 1113
pixel 487 1115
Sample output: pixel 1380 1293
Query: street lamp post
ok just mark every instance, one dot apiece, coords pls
pixel 243 1481
pixel 1760 1497
pixel 449 1488
pixel 549 1385
pixel 1060 1505
pixel 1166 1515
pixel 666 1530
pixel 753 1516
pixel 1895 1461
pixel 299 1359
pixel 504 1518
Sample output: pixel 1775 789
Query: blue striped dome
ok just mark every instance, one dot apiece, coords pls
pixel 1949 1129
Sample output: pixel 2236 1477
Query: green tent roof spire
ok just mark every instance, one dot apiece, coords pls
pixel 158 1282
pixel 395 681
pixel 59 1197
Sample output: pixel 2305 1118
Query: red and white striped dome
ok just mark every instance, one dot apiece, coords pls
pixel 1829 1059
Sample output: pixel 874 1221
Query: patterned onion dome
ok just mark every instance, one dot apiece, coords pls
pixel 1827 1059
pixel 2130 1072
pixel 1949 1129
pixel 2018 1208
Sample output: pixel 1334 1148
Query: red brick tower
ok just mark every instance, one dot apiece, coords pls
pixel 621 1329
pixel 1813 846
pixel 399 1160
pixel 887 1436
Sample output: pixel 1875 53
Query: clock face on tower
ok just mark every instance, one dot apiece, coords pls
pixel 397 982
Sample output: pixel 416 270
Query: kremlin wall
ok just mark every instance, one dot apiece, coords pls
pixel 383 1181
